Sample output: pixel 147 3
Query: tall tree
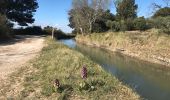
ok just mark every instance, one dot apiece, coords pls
pixel 20 11
pixel 162 12
pixel 100 24
pixel 85 12
pixel 126 9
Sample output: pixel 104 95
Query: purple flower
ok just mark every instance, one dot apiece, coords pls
pixel 57 83
pixel 84 72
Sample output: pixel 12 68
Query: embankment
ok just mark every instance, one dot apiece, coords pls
pixel 56 61
pixel 149 46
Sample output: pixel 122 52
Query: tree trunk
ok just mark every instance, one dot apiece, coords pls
pixel 52 34
pixel 81 30
pixel 90 28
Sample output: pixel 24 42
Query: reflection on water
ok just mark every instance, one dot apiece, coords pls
pixel 151 81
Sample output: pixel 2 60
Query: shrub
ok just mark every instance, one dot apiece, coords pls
pixel 4 28
pixel 31 30
pixel 162 23
pixel 58 34
pixel 165 25
pixel 113 25
pixel 116 26
pixel 123 26
pixel 109 24
pixel 140 24
pixel 129 24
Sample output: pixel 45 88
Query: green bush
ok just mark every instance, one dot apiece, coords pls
pixel 140 24
pixel 123 26
pixel 129 24
pixel 113 25
pixel 116 26
pixel 4 28
pixel 31 30
pixel 162 23
pixel 58 34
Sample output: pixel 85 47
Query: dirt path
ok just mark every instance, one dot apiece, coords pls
pixel 14 55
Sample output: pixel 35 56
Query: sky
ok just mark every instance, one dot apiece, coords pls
pixel 55 12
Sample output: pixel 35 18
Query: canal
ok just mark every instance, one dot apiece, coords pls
pixel 150 81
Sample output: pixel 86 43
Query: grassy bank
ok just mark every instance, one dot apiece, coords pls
pixel 56 61
pixel 149 45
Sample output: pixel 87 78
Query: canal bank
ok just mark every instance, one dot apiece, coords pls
pixel 57 61
pixel 151 81
pixel 150 45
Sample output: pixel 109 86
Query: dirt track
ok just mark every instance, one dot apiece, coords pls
pixel 15 54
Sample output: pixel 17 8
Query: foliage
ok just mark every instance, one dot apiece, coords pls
pixel 140 24
pixel 110 24
pixel 126 9
pixel 130 24
pixel 162 23
pixel 162 12
pixel 58 34
pixel 20 11
pixel 84 14
pixel 31 30
pixel 100 24
pixel 5 28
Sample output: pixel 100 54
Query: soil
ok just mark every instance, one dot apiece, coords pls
pixel 16 53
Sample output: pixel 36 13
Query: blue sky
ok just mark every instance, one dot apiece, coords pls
pixel 55 12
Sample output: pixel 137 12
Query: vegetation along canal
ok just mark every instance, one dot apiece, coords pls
pixel 151 81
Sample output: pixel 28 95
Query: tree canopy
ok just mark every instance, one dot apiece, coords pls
pixel 84 14
pixel 162 12
pixel 126 9
pixel 20 11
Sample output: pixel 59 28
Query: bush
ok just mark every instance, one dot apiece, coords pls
pixel 129 24
pixel 58 34
pixel 5 29
pixel 109 24
pixel 123 26
pixel 113 25
pixel 140 24
pixel 162 23
pixel 116 26
pixel 31 30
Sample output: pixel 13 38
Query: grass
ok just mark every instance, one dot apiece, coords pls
pixel 148 45
pixel 57 61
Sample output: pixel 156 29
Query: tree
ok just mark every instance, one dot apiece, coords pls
pixel 140 24
pixel 20 11
pixel 4 27
pixel 84 14
pixel 162 12
pixel 126 9
pixel 100 24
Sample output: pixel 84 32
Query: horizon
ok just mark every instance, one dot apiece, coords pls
pixel 55 13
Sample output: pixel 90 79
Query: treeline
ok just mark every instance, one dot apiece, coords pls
pixel 88 16
pixel 58 34
pixel 38 30
pixel 21 12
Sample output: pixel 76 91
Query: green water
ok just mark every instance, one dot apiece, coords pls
pixel 151 81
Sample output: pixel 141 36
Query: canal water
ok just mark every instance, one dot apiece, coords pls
pixel 150 81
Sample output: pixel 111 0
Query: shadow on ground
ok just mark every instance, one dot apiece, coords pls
pixel 18 38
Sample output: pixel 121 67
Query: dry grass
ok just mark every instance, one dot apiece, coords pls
pixel 149 45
